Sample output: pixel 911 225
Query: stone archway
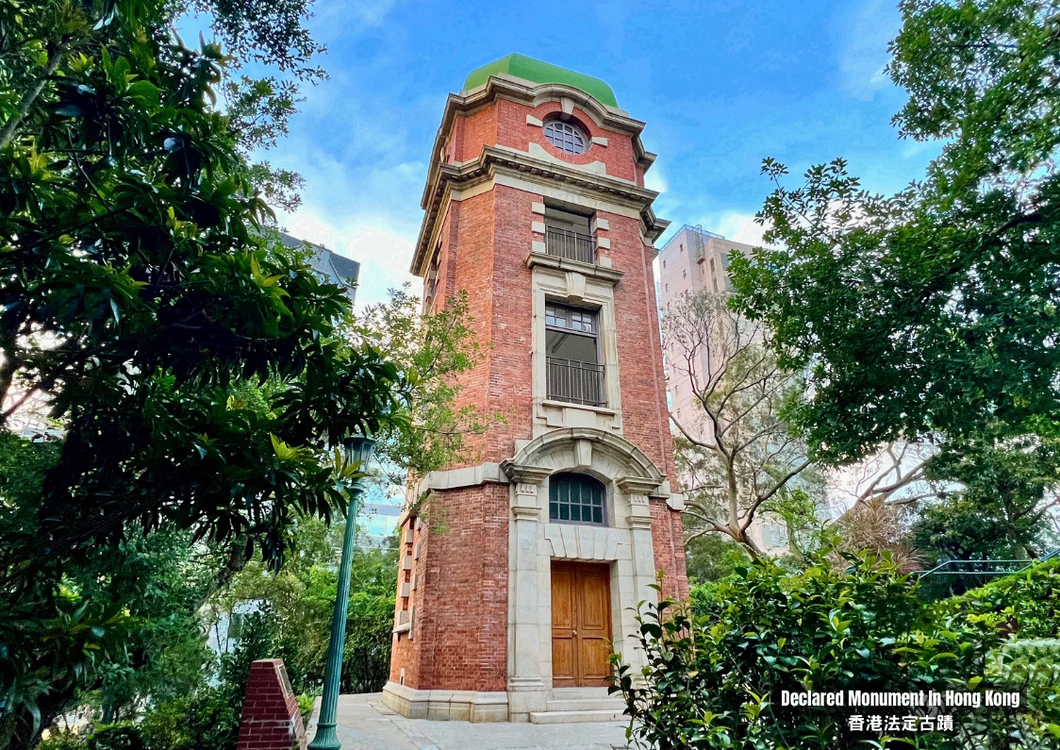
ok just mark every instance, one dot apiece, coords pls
pixel 625 545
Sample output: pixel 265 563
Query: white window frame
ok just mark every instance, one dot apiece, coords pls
pixel 574 289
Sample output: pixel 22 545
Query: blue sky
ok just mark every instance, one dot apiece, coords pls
pixel 721 85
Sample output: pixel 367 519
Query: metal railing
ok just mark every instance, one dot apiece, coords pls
pixel 564 243
pixel 575 382
pixel 952 577
pixel 699 244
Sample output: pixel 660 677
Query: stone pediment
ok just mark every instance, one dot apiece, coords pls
pixel 606 455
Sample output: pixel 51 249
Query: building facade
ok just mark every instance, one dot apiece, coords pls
pixel 692 261
pixel 328 265
pixel 521 564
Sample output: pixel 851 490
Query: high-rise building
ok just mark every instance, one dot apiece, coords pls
pixel 520 569
pixel 329 266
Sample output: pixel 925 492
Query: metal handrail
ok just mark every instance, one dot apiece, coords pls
pixel 565 243
pixel 575 382
pixel 939 570
pixel 952 577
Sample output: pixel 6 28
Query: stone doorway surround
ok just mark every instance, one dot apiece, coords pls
pixel 625 544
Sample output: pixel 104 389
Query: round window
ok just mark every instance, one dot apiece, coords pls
pixel 566 136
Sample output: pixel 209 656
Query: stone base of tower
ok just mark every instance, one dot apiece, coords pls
pixel 463 705
pixel 521 704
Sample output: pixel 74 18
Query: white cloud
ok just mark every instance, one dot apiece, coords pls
pixel 383 248
pixel 862 61
pixel 739 227
pixel 369 212
pixel 655 179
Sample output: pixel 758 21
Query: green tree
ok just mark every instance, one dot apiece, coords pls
pixel 1002 506
pixel 299 600
pixel 932 312
pixel 712 557
pixel 139 292
pixel 437 347
pixel 735 450
pixel 119 625
pixel 879 528
pixel 141 296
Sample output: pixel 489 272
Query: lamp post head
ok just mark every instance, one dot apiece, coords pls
pixel 359 449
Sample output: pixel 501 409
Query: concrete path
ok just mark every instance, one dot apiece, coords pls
pixel 364 723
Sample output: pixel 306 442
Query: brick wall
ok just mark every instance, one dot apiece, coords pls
pixel 405 650
pixel 667 536
pixel 460 631
pixel 270 718
pixel 493 233
pixel 504 124
pixel 644 415
pixel 510 386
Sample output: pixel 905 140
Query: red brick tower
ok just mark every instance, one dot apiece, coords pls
pixel 518 572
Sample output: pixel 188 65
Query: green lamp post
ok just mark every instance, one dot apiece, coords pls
pixel 358 450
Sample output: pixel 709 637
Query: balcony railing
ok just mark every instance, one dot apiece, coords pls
pixel 575 382
pixel 563 243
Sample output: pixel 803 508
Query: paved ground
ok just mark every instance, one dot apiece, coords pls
pixel 364 723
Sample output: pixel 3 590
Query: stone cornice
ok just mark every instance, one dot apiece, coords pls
pixel 532 94
pixel 607 275
pixel 496 159
pixel 525 473
pixel 639 485
pixel 468 476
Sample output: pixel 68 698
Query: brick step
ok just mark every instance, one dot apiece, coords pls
pixel 574 717
pixel 586 704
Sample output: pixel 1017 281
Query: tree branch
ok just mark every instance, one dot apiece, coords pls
pixel 30 98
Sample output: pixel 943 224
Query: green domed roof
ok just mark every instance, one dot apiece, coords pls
pixel 542 72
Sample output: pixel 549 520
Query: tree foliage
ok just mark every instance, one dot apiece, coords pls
pixel 143 300
pixel 878 527
pixel 933 311
pixel 300 601
pixel 437 347
pixel 712 557
pixel 714 678
pixel 1000 509
pixel 138 292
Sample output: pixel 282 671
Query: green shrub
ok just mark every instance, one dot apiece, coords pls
pixel 165 727
pixel 369 636
pixel 1028 601
pixel 206 720
pixel 65 739
pixel 1031 668
pixel 123 735
pixel 209 718
pixel 305 706
pixel 704 597
pixel 715 680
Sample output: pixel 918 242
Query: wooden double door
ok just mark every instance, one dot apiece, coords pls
pixel 581 624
